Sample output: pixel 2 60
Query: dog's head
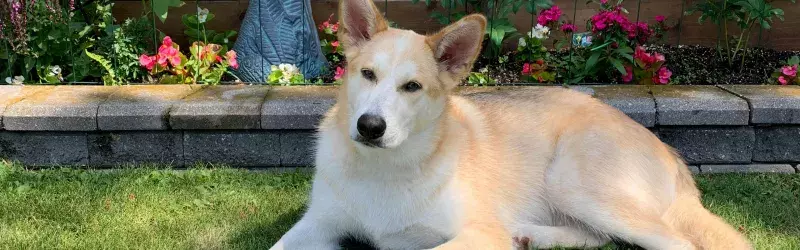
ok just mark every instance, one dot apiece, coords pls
pixel 397 81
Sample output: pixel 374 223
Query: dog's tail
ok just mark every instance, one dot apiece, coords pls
pixel 704 229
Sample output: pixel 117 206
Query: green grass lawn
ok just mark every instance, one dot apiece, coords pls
pixel 219 208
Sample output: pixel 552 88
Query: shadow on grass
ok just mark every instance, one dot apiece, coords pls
pixel 263 236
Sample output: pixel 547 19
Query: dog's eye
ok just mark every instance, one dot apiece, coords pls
pixel 412 86
pixel 368 74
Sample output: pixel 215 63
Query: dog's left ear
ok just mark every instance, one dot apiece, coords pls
pixel 456 47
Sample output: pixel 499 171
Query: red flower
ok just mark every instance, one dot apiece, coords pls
pixel 147 62
pixel 339 73
pixel 539 61
pixel 526 69
pixel 335 44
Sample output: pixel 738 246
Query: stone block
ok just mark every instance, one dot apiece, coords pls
pixel 297 107
pixel 10 94
pixel 297 148
pixel 777 144
pixel 141 107
pixel 748 168
pixel 234 148
pixel 44 148
pixel 62 108
pixel 633 100
pixel 220 107
pixel 698 105
pixel 136 147
pixel 770 104
pixel 711 145
pixel 694 169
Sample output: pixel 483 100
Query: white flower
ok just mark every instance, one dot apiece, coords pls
pixel 539 32
pixel 55 70
pixel 522 42
pixel 17 80
pixel 484 70
pixel 202 15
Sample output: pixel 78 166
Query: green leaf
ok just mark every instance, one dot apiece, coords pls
pixel 592 61
pixel 161 7
pixel 618 65
pixel 794 60
pixel 497 36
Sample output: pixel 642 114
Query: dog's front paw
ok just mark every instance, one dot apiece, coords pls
pixel 521 242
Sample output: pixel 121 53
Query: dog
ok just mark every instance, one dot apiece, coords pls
pixel 405 162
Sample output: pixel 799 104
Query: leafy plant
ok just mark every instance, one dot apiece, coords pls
pixel 110 77
pixel 206 65
pixel 788 73
pixel 647 68
pixel 285 74
pixel 161 7
pixel 122 48
pixel 480 78
pixel 196 29
pixel 746 14
pixel 499 28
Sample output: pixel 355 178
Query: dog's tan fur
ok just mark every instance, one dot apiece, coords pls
pixel 500 170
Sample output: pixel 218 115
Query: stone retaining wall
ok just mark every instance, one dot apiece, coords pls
pixel 716 128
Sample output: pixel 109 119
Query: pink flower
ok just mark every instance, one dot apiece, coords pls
pixel 548 16
pixel 168 54
pixel 660 18
pixel 643 56
pixel 789 70
pixel 339 73
pixel 335 44
pixel 147 62
pixel 526 69
pixel 167 42
pixel 568 28
pixel 783 80
pixel 662 76
pixel 658 57
pixel 628 77
pixel 335 27
pixel 231 56
pixel 604 1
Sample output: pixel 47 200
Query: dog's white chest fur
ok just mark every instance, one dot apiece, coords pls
pixel 385 201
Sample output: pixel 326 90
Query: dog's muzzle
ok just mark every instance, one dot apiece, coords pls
pixel 370 130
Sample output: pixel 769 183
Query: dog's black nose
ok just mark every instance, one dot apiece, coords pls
pixel 371 126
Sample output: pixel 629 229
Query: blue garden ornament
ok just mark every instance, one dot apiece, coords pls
pixel 277 32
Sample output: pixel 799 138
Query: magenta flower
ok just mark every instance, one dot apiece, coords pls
pixel 548 16
pixel 662 76
pixel 783 80
pixel 568 28
pixel 628 77
pixel 604 1
pixel 660 18
pixel 789 70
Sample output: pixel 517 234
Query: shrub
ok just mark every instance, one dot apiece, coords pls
pixel 745 13
pixel 285 74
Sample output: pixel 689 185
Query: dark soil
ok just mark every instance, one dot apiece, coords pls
pixel 690 65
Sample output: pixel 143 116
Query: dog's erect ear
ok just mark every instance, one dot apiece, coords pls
pixel 457 46
pixel 360 20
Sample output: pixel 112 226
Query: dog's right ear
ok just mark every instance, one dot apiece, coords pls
pixel 360 21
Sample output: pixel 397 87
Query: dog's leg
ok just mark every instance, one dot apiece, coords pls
pixel 547 237
pixel 309 233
